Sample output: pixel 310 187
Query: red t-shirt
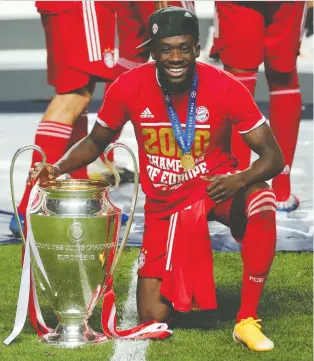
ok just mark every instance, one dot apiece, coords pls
pixel 221 102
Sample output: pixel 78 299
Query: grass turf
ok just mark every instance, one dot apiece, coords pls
pixel 286 309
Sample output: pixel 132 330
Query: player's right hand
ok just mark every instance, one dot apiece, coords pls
pixel 48 173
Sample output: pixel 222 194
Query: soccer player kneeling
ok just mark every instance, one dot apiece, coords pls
pixel 183 112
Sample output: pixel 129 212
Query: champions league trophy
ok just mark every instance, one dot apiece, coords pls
pixel 73 234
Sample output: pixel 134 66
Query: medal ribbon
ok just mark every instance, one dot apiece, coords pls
pixel 184 139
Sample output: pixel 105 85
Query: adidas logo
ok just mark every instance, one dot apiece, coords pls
pixel 147 114
pixel 187 15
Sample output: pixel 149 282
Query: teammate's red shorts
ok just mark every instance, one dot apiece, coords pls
pixel 248 33
pixel 159 232
pixel 80 45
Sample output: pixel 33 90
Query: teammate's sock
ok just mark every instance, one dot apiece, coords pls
pixel 239 149
pixel 53 138
pixel 80 130
pixel 285 114
pixel 258 249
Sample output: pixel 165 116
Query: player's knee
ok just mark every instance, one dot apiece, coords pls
pixel 281 80
pixel 65 108
pixel 241 204
pixel 256 188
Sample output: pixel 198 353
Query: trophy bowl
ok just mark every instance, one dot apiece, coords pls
pixel 73 231
pixel 76 231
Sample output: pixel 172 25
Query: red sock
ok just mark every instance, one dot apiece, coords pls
pixel 258 249
pixel 239 149
pixel 53 138
pixel 80 131
pixel 285 115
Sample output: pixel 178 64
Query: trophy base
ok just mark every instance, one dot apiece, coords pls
pixel 72 335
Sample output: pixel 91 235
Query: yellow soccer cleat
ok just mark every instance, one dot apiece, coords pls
pixel 249 332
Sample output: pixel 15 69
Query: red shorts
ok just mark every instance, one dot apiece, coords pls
pixel 54 7
pixel 158 232
pixel 249 33
pixel 80 45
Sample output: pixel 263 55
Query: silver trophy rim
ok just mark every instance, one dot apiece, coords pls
pixel 81 185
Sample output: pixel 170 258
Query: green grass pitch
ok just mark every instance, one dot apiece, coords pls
pixel 286 310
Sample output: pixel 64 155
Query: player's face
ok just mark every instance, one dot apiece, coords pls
pixel 175 60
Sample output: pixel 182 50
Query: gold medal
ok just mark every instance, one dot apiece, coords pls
pixel 187 161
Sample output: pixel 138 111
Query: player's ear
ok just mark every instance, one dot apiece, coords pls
pixel 197 50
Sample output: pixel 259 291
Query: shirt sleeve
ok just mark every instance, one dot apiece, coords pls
pixel 243 111
pixel 114 113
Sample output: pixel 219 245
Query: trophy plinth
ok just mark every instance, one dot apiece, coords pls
pixel 73 335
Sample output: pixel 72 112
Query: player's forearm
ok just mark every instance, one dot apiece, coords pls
pixel 267 166
pixel 80 155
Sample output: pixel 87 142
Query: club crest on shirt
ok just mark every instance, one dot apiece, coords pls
pixel 202 114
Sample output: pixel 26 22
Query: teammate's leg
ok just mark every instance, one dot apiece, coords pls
pixel 285 114
pixel 239 148
pixel 253 224
pixel 55 129
pixel 132 31
pixel 79 131
pixel 238 42
pixel 282 42
pixel 74 86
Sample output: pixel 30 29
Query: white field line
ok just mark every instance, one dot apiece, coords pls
pixel 128 350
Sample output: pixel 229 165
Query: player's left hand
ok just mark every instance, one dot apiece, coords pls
pixel 223 186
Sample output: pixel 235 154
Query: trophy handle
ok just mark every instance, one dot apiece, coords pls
pixel 111 166
pixel 16 155
pixel 134 198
